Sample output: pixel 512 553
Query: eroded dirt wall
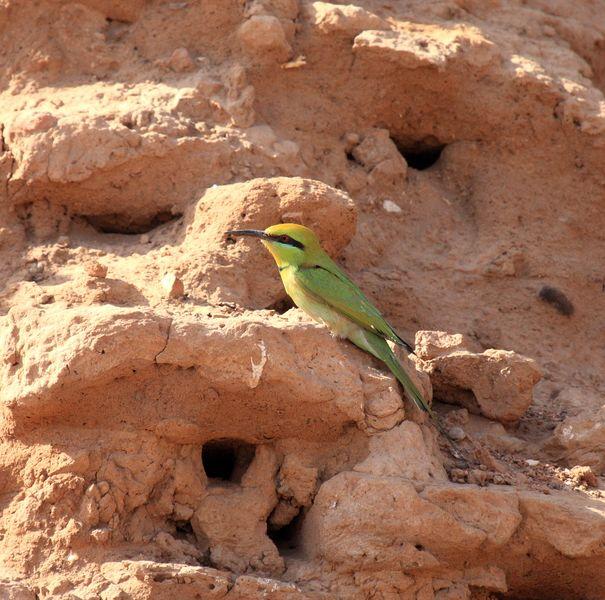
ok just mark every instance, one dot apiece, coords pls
pixel 172 427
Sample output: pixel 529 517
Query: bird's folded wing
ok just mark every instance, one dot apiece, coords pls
pixel 333 287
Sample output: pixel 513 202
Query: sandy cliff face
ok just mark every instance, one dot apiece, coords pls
pixel 172 428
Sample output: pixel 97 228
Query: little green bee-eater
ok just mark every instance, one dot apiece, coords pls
pixel 317 286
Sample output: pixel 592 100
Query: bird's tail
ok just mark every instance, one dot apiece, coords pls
pixel 380 348
pixel 408 385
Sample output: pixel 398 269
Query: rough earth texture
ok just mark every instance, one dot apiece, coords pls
pixel 171 427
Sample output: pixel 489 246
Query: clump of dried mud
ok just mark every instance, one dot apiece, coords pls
pixel 172 428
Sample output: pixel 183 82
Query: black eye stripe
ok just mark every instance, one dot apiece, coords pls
pixel 286 239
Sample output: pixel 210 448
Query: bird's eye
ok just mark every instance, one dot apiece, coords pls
pixel 284 238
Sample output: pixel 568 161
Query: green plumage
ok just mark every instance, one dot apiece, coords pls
pixel 327 281
pixel 317 286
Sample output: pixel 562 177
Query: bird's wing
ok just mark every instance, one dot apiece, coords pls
pixel 333 287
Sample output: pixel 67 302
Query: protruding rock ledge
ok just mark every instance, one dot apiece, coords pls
pixel 55 358
pixel 495 383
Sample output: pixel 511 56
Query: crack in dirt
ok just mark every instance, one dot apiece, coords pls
pixel 155 358
pixel 6 153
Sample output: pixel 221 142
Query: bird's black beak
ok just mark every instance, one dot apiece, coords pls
pixel 249 232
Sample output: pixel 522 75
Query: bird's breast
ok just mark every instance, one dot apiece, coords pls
pixel 316 308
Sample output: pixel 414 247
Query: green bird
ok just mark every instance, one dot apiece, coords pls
pixel 317 286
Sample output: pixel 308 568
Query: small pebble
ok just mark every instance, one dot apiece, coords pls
pixel 557 299
pixel 459 475
pixel 173 286
pixel 35 271
pixel 583 475
pixel 456 433
pixel 4 235
pixel 181 61
pixel 96 269
pixel 100 535
pixel 532 462
pixel 299 61
pixel 351 140
pixel 391 207
pixel 479 477
pixel 103 487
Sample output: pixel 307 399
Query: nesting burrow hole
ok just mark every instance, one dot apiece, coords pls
pixel 227 459
pixel 420 155
pixel 125 225
pixel 287 539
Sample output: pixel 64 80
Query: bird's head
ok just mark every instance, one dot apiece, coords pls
pixel 289 243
